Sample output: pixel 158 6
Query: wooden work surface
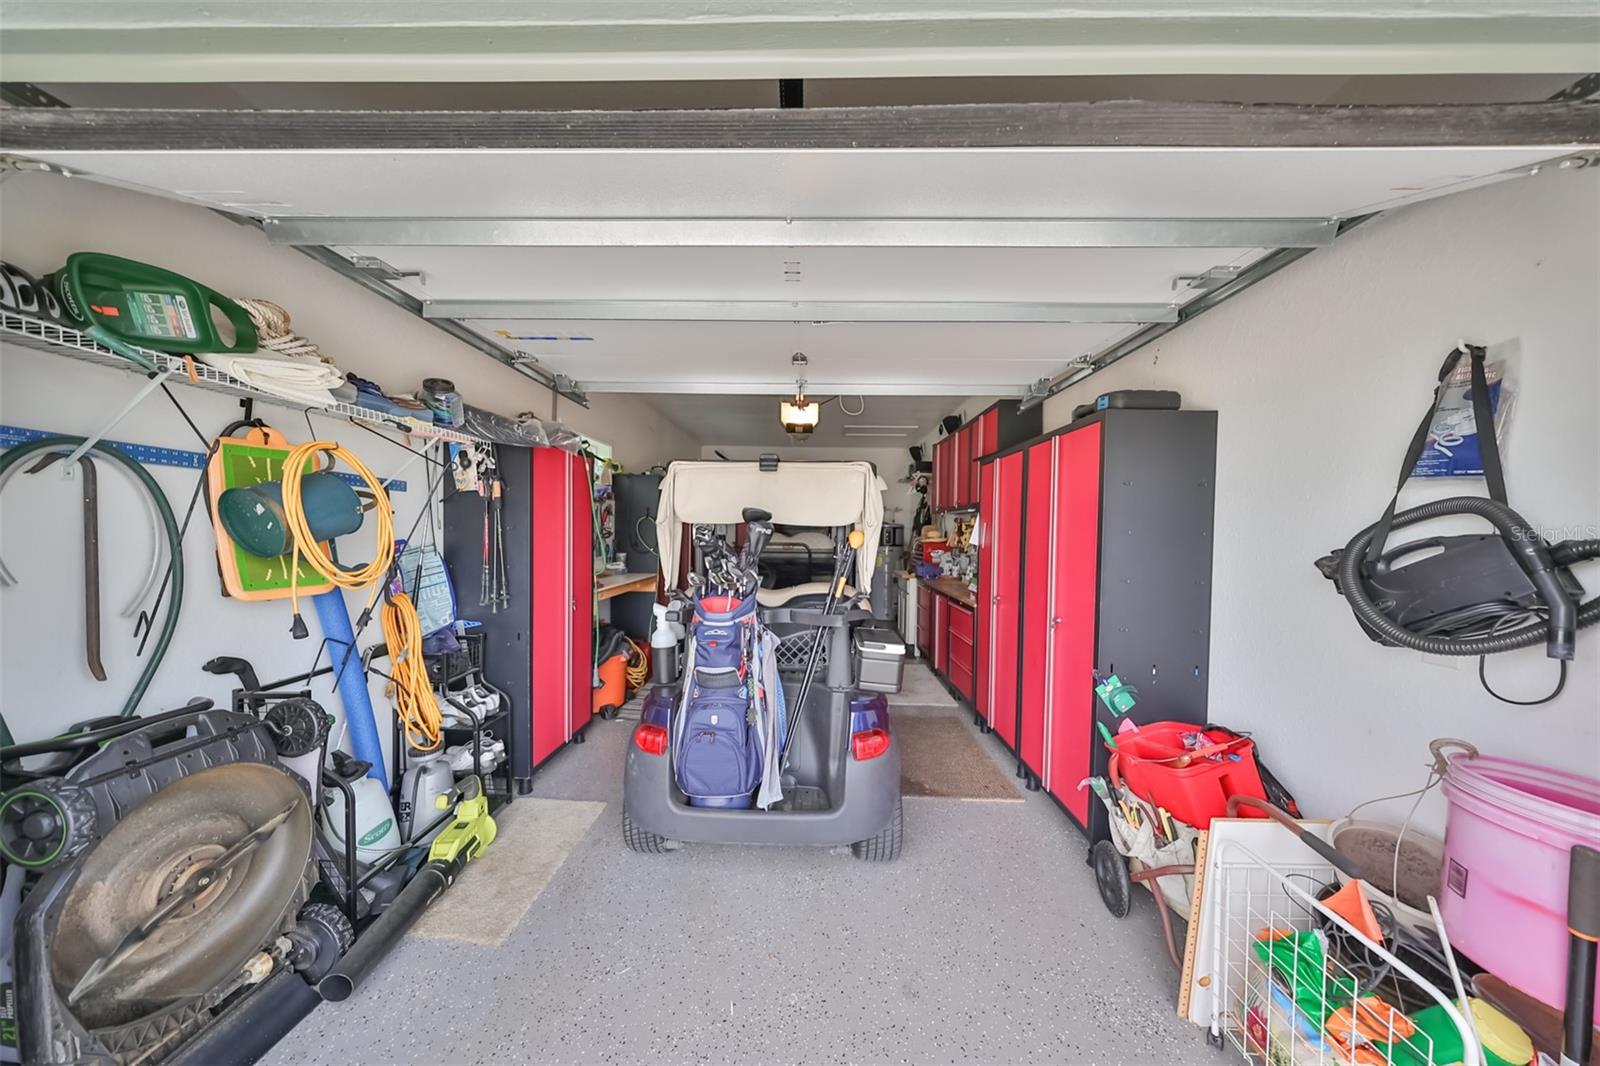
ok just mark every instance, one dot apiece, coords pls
pixel 609 585
pixel 955 589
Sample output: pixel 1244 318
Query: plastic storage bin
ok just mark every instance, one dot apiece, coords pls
pixel 880 659
pixel 1509 831
pixel 1192 784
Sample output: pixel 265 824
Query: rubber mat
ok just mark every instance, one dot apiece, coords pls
pixel 534 838
pixel 941 757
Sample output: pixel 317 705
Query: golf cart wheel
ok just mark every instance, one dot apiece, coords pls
pixel 608 712
pixel 885 847
pixel 642 840
pixel 1111 872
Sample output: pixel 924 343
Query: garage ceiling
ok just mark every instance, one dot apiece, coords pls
pixel 918 251
pixel 932 272
pixel 884 421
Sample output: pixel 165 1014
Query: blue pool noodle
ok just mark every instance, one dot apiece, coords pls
pixel 353 695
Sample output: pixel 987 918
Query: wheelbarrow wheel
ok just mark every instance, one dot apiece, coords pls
pixel 1111 873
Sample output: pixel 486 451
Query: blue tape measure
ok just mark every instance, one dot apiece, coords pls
pixel 150 455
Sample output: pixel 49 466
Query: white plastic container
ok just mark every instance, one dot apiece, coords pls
pixel 10 901
pixel 426 779
pixel 377 832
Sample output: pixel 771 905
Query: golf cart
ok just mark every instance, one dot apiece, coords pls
pixel 768 721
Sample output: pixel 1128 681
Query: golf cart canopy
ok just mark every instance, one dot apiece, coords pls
pixel 797 494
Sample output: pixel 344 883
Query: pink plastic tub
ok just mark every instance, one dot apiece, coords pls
pixel 1508 834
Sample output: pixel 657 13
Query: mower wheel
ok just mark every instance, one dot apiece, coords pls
pixel 885 847
pixel 1111 872
pixel 608 712
pixel 642 840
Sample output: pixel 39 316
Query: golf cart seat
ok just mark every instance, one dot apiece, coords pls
pixel 793 596
pixel 796 637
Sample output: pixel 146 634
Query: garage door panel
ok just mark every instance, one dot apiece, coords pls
pixel 908 354
pixel 1077 275
pixel 1137 182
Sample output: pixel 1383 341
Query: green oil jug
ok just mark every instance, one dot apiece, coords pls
pixel 123 303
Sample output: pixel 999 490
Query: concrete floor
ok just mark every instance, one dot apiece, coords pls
pixel 986 942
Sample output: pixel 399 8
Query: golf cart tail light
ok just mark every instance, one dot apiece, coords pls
pixel 869 744
pixel 651 739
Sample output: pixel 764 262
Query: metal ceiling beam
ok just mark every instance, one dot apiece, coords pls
pixel 779 389
pixel 798 311
pixel 1083 369
pixel 806 232
pixel 1118 124
pixel 515 360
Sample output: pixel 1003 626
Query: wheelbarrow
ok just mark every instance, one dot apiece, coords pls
pixel 1136 852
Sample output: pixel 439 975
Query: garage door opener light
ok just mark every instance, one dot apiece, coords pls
pixel 799 418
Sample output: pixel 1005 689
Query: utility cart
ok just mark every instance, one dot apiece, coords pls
pixel 831 773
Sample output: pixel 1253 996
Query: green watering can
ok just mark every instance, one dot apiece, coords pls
pixel 123 303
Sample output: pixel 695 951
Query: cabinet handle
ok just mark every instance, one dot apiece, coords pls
pixel 1054 622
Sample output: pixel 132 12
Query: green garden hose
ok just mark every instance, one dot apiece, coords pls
pixel 169 622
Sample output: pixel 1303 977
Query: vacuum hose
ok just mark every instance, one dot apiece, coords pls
pixel 1536 560
pixel 169 525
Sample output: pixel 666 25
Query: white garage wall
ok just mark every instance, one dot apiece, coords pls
pixel 44 684
pixel 47 217
pixel 1320 375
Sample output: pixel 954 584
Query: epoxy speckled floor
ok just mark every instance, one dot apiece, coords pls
pixel 986 942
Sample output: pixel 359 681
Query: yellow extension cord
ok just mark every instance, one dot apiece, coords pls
pixel 306 545
pixel 638 665
pixel 411 691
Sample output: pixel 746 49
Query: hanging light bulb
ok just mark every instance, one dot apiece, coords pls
pixel 799 418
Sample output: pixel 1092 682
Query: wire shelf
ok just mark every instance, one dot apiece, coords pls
pixel 1273 1018
pixel 56 339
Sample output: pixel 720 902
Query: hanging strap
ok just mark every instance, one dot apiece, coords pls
pixel 1483 424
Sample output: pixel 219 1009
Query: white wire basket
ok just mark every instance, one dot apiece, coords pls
pixel 1268 998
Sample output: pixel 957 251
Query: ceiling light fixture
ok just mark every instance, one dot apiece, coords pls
pixel 799 417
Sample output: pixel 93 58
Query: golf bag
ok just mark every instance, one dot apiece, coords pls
pixel 730 715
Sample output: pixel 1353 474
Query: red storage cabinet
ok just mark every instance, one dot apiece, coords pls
pixel 561 600
pixel 962 457
pixel 958 652
pixel 540 651
pixel 999 595
pixel 946 472
pixel 1037 580
pixel 1070 629
pixel 956 474
pixel 985 439
pixel 1113 515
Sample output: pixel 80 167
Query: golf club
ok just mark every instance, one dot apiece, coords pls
pixel 841 569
